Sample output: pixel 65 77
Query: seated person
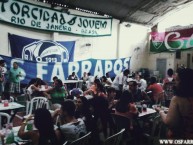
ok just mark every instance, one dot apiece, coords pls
pixel 85 77
pixel 45 133
pixel 125 107
pixel 54 80
pixel 70 127
pixel 85 80
pixel 83 111
pixel 142 83
pixel 70 86
pixel 32 81
pixel 111 94
pixel 92 89
pixel 34 88
pixel 96 90
pixel 105 81
pixel 99 105
pixel 72 76
pixel 57 93
pixel 156 90
pixel 137 94
pixel 108 77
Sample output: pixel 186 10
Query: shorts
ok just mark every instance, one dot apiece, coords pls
pixel 14 87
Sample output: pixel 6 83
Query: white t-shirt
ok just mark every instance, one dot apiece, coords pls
pixel 74 130
pixel 30 89
pixel 120 79
pixel 90 81
pixel 143 85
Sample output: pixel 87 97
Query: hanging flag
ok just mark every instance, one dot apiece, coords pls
pixel 171 40
pixel 41 50
pixel 46 71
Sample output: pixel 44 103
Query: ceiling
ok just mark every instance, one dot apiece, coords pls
pixel 145 12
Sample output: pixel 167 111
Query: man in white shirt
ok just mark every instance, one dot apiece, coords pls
pixel 90 81
pixel 120 80
pixel 142 83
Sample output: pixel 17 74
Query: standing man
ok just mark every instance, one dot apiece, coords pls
pixel 120 81
pixel 14 78
pixel 2 76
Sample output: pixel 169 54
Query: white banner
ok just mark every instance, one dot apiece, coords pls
pixel 38 17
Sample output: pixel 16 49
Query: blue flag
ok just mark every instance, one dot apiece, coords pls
pixel 41 50
pixel 46 71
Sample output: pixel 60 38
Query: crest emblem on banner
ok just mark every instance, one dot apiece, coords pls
pixel 157 39
pixel 45 51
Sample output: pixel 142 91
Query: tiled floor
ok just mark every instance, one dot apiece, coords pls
pixel 18 119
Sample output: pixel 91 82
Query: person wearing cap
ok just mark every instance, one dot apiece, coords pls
pixel 2 75
pixel 137 94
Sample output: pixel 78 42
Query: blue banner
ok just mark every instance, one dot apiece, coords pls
pixel 47 71
pixel 41 50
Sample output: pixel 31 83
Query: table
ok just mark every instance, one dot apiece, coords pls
pixel 148 112
pixel 21 141
pixel 78 83
pixel 12 106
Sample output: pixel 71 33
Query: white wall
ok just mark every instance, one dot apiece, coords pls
pixel 133 43
pixel 153 57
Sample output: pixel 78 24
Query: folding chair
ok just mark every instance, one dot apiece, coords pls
pixel 7 116
pixel 35 103
pixel 84 140
pixel 155 133
pixel 114 139
pixel 28 99
pixel 123 122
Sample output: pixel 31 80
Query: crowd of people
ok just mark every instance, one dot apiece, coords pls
pixel 82 109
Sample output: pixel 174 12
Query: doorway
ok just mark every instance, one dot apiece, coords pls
pixel 188 60
pixel 161 67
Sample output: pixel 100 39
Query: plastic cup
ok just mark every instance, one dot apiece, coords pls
pixel 30 125
pixel 144 107
pixel 6 103
pixel 139 107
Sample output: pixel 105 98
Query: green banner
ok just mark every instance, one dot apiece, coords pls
pixel 171 41
pixel 38 17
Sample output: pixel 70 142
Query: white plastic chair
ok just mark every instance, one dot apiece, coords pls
pixel 115 139
pixel 84 140
pixel 28 100
pixel 37 102
pixel 8 118
pixel 11 99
